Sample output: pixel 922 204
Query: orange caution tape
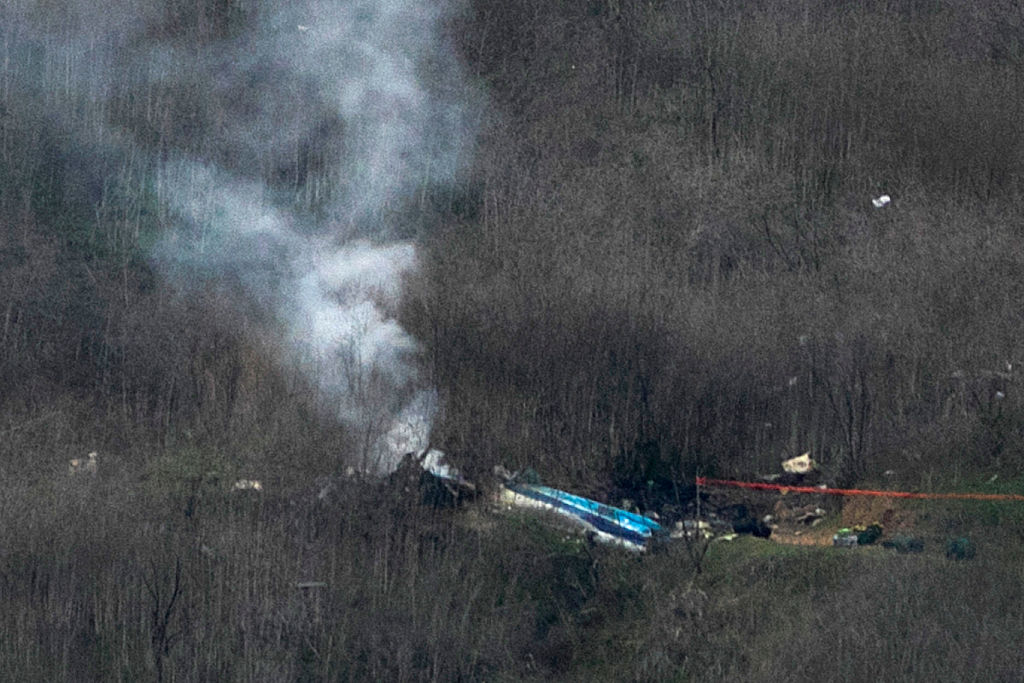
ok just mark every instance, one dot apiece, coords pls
pixel 704 481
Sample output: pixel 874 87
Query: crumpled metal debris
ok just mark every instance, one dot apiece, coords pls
pixel 802 464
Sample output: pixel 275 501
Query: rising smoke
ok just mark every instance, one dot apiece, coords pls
pixel 284 152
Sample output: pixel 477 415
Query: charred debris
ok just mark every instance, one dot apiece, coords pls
pixel 429 479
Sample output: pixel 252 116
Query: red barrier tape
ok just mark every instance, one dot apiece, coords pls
pixel 704 481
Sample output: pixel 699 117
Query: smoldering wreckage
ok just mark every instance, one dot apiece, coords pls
pixel 427 478
pixel 428 475
pixel 698 514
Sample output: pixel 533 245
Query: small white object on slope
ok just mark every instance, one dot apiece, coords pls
pixel 879 202
pixel 83 466
pixel 800 465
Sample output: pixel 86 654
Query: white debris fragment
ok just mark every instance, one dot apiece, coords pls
pixel 83 466
pixel 879 202
pixel 435 462
pixel 799 465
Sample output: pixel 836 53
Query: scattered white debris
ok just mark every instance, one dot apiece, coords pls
pixel 247 485
pixel 302 28
pixel 1000 396
pixel 84 465
pixel 879 202
pixel 692 529
pixel 810 517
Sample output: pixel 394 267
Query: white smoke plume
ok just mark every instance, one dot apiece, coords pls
pixel 331 301
pixel 281 152
pixel 359 64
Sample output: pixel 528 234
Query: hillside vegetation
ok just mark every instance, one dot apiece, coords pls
pixel 661 259
pixel 673 261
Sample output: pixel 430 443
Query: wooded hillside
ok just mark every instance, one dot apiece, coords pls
pixel 627 242
pixel 661 258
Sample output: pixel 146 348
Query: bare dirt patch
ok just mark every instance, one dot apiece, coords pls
pixel 852 512
pixel 870 510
